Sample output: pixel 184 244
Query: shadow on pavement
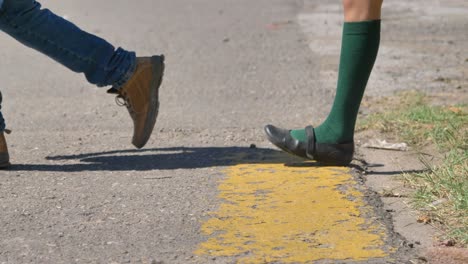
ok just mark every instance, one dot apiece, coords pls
pixel 162 159
pixel 178 158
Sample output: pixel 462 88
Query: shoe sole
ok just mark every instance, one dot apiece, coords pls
pixel 5 165
pixel 5 160
pixel 157 63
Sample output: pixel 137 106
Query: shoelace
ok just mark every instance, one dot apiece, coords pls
pixel 122 100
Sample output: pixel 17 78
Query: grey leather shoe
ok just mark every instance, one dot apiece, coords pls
pixel 327 154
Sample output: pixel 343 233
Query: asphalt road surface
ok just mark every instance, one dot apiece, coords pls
pixel 79 193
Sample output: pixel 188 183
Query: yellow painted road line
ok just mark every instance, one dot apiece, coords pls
pixel 274 213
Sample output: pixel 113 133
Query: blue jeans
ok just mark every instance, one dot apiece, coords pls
pixel 61 40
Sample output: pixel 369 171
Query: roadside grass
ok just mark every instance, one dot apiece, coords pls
pixel 441 192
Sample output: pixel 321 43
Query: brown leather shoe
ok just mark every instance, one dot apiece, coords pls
pixel 140 95
pixel 4 157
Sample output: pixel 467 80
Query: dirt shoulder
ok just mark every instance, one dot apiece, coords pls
pixel 391 174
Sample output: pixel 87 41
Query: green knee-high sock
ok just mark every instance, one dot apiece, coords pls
pixel 360 43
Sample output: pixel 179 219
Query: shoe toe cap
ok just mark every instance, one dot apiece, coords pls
pixel 275 134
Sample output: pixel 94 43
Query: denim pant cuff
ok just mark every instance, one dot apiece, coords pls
pixel 125 77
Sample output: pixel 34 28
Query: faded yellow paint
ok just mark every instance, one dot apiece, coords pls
pixel 274 213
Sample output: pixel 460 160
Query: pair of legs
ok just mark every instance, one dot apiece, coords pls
pixel 332 141
pixel 135 80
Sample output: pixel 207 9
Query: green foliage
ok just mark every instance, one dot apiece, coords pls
pixel 442 190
